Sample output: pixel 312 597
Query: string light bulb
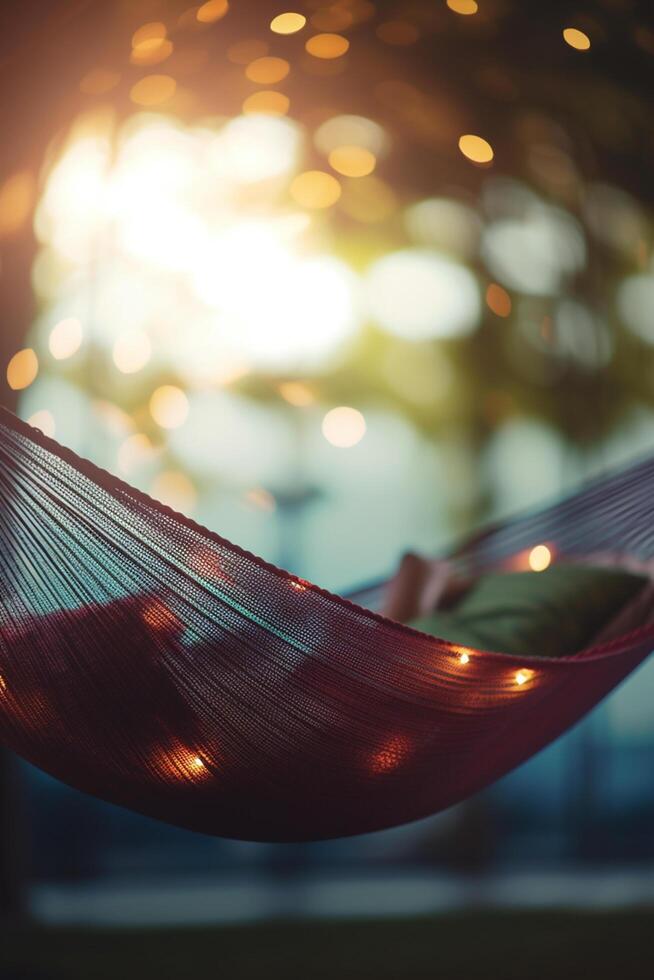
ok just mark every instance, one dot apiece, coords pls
pixel 540 558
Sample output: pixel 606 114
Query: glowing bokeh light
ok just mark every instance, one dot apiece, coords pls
pixel 134 452
pixel 154 30
pixel 465 7
pixel 327 46
pixel 576 39
pixel 153 90
pixel 476 148
pixel 343 427
pixel 498 300
pixel 65 338
pixel 540 558
pixel 44 421
pixel 614 217
pixel 70 213
pixel 578 335
pixel 212 11
pixel 237 151
pixel 16 200
pixel 351 131
pixel 151 52
pixel 296 393
pixel 169 407
pixel 184 250
pixel 534 254
pixel 22 369
pixel 178 762
pixel 444 296
pixel 132 351
pixel 315 189
pixel 267 102
pixel 450 226
pixel 288 23
pixel 290 310
pixel 267 70
pixel 175 489
pixel 352 161
pixel 635 302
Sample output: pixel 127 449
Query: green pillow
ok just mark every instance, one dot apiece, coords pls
pixel 553 613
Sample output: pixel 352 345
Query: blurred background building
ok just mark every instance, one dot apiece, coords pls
pixel 338 282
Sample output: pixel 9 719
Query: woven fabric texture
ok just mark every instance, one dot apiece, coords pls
pixel 152 663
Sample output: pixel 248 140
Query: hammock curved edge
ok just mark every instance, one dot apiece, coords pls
pixel 251 704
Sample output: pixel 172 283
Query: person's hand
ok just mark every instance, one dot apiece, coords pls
pixel 421 585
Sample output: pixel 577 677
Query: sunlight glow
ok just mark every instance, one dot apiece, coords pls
pixel 164 213
pixel 268 324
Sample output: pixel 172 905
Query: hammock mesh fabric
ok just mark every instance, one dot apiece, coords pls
pixel 150 662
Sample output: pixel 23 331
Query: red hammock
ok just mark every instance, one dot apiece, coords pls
pixel 149 662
